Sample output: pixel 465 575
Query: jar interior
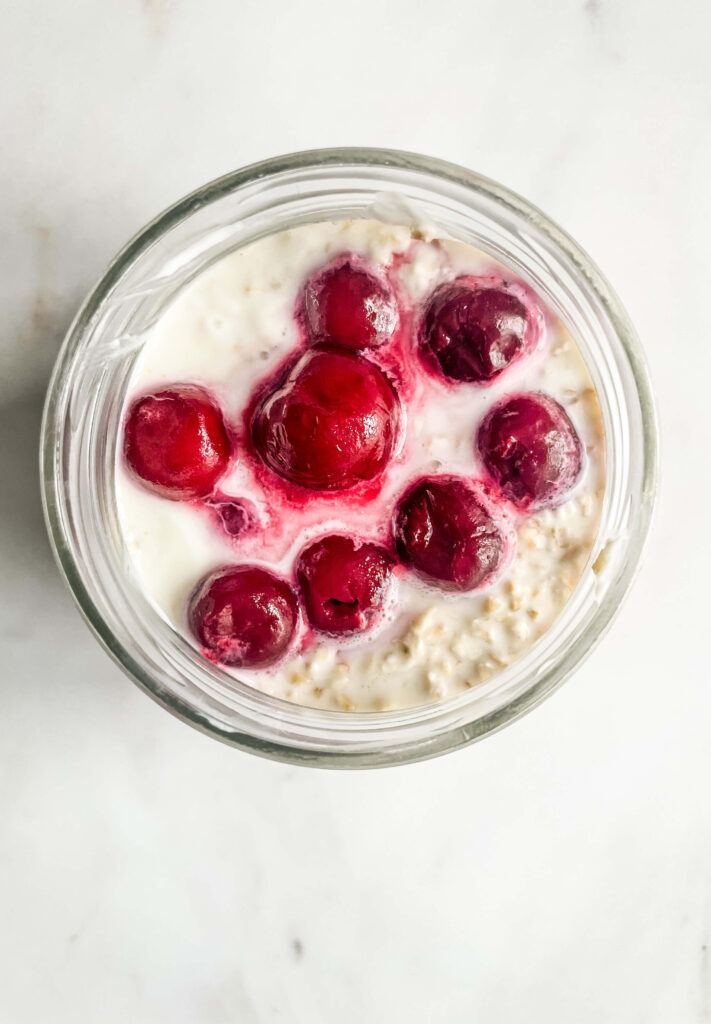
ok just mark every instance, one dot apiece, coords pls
pixel 86 399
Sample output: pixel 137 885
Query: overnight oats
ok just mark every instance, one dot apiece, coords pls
pixel 361 467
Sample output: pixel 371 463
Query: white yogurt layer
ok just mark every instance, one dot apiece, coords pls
pixel 232 327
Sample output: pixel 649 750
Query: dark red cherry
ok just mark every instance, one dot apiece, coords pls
pixel 332 423
pixel 472 333
pixel 243 616
pixel 175 441
pixel 233 516
pixel 345 583
pixel 446 534
pixel 348 306
pixel 530 449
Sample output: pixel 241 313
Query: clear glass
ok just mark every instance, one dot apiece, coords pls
pixel 86 396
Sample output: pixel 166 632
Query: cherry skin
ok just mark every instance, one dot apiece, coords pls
pixel 345 584
pixel 243 616
pixel 347 306
pixel 175 442
pixel 472 333
pixel 530 449
pixel 332 423
pixel 235 519
pixel 444 532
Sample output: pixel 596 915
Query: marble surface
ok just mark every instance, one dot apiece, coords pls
pixel 557 872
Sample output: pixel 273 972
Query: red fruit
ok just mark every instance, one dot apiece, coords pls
pixel 244 616
pixel 330 424
pixel 445 533
pixel 175 441
pixel 233 516
pixel 345 584
pixel 347 306
pixel 472 333
pixel 530 449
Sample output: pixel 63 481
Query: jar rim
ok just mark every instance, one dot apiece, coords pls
pixel 67 547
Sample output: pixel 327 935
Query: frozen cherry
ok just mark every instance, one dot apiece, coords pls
pixel 445 533
pixel 348 306
pixel 345 583
pixel 472 333
pixel 530 449
pixel 331 423
pixel 243 616
pixel 175 441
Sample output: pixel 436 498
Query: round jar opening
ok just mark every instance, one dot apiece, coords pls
pixel 86 398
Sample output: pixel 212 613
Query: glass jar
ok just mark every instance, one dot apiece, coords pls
pixel 83 417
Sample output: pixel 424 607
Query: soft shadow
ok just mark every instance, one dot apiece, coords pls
pixel 49 662
pixel 23 538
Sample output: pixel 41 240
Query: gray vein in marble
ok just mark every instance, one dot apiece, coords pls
pixel 44 303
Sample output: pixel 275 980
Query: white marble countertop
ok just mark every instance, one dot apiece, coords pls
pixel 558 872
